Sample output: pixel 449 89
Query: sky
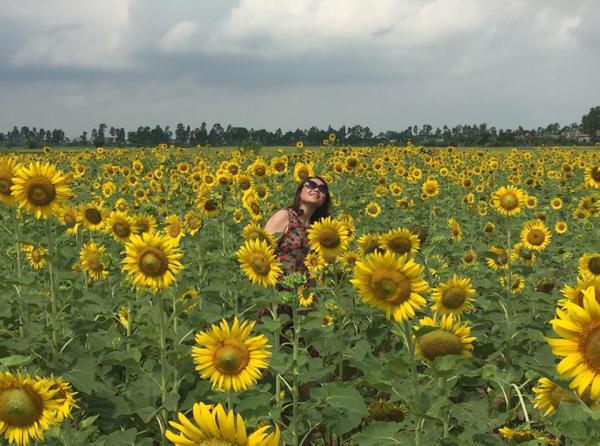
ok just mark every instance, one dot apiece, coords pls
pixel 289 64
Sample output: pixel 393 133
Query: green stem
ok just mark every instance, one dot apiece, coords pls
pixel 163 354
pixel 410 345
pixel 295 371
pixel 278 399
pixel 174 304
pixel 53 303
pixel 17 229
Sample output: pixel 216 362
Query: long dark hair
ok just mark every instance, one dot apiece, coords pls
pixel 322 211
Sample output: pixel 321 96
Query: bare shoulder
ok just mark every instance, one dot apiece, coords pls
pixel 278 221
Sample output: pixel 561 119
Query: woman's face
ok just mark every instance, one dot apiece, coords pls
pixel 313 196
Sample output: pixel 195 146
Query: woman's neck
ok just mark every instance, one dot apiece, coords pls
pixel 307 212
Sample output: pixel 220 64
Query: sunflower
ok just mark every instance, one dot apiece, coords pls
pixel 229 357
pixel 124 317
pixel 28 407
pixel 92 215
pixel 579 331
pixel 65 396
pixel 548 396
pixel 430 188
pixel 391 283
pixel 592 177
pixel 373 209
pixel 328 237
pixel 152 261
pixel 535 235
pixel 589 264
pixel 443 337
pixel 508 200
pixel 193 222
pixel 453 297
pixel 252 231
pixel 208 205
pixel 40 189
pixel 144 223
pixel 37 257
pixel 469 257
pixel 575 294
pixel 455 229
pixel 257 259
pixel 500 258
pixel 369 243
pixel 303 171
pixel 8 170
pixel 68 217
pixel 314 263
pixel 524 254
pixel 216 427
pixel 514 282
pixel 173 228
pixel 119 225
pixel 400 241
pixel 90 260
pixel 523 434
pixel 305 300
pixel 561 227
pixel 556 203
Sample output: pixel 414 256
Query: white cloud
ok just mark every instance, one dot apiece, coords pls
pixel 180 37
pixel 67 33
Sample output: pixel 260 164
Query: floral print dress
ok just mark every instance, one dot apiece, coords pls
pixel 293 246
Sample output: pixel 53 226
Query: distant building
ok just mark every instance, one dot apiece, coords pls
pixel 577 135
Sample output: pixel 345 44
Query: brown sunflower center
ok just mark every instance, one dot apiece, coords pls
pixel 143 226
pixel 260 171
pixel 231 358
pixel 36 255
pixel 594 265
pixel 329 238
pixel 210 205
pixel 400 244
pixel 260 265
pixel 595 174
pixel 590 347
pixel 69 220
pixel 93 261
pixel 94 216
pixel 536 237
pixel 370 246
pixel 20 407
pixel 509 201
pixel 122 229
pixel 394 288
pixel 454 297
pixel 302 173
pixel 5 182
pixel 153 262
pixel 173 229
pixel 41 191
pixel 255 208
pixel 439 343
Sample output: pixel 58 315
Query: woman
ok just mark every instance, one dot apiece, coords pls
pixel 311 203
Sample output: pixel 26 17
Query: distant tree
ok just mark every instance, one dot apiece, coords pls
pixel 590 122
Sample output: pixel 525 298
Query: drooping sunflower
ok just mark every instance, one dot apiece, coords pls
pixel 509 200
pixel 401 241
pixel 514 282
pixel 28 407
pixel 40 189
pixel 579 331
pixel 589 264
pixel 152 260
pixel 229 357
pixel 68 217
pixel 392 283
pixel 500 258
pixel 523 434
pixel 215 427
pixel 520 252
pixel 548 396
pixel 450 337
pixel 8 170
pixel 535 235
pixel 328 237
pixel 257 260
pixel 120 225
pixel 124 317
pixel 369 243
pixel 455 229
pixel 65 396
pixel 90 261
pixel 454 296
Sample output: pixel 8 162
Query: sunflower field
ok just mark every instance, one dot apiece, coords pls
pixel 451 298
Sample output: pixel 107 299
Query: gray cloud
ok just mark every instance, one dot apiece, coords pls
pixel 266 63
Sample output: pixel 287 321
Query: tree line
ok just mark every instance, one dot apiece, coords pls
pixel 585 132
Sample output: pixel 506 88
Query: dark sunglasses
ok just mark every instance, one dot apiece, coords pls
pixel 312 185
